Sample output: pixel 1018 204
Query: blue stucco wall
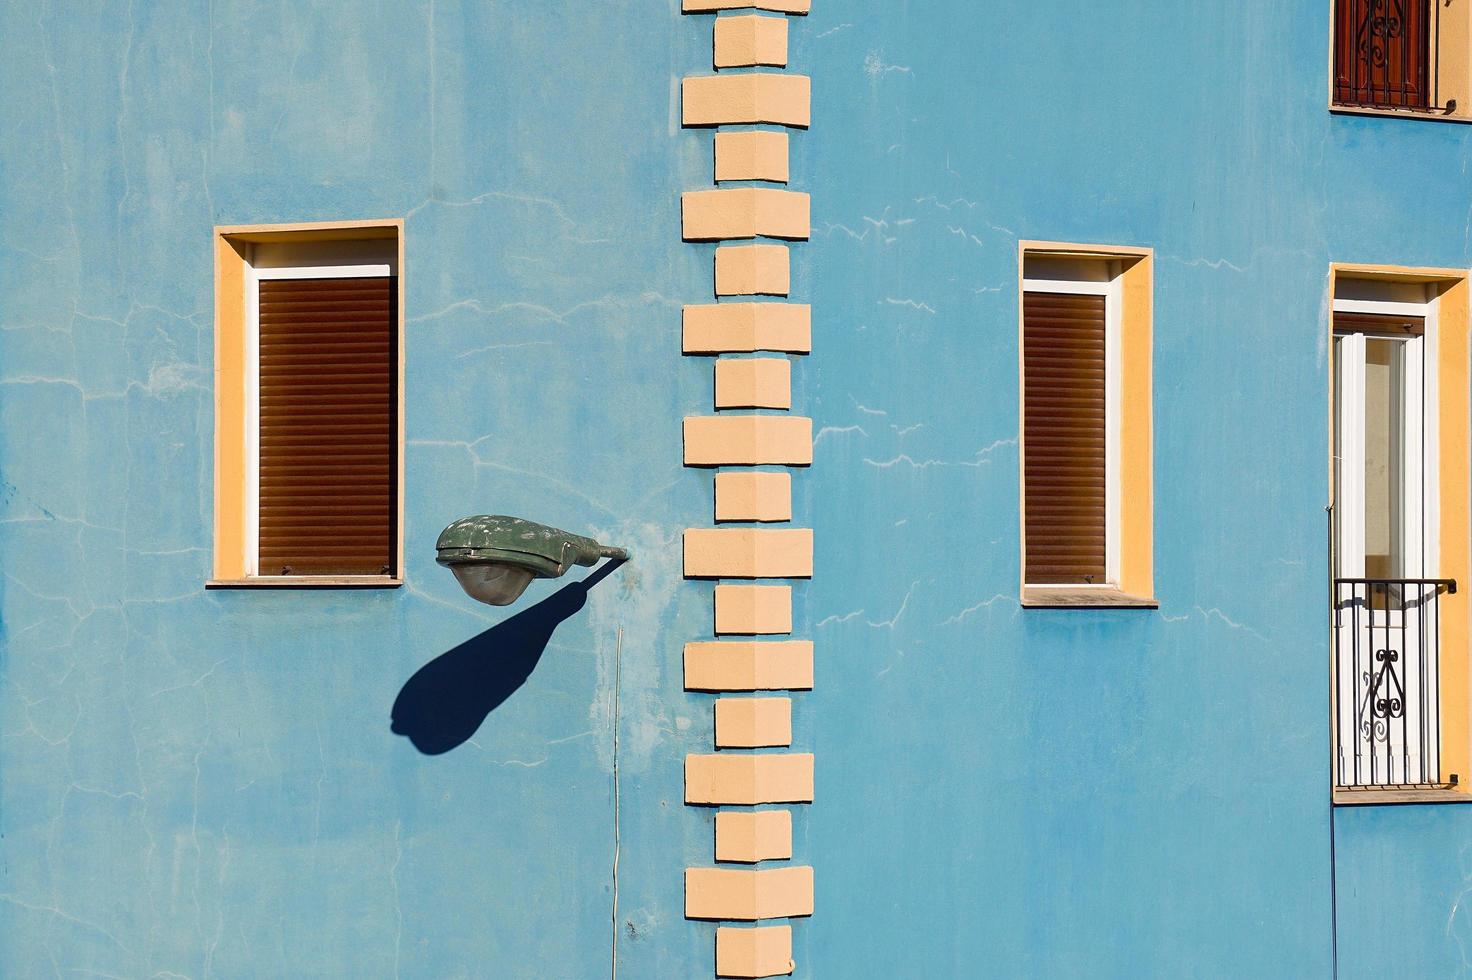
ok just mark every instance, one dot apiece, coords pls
pixel 1072 793
pixel 201 783
pixel 206 783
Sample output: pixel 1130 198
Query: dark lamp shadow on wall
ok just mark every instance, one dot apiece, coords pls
pixel 448 699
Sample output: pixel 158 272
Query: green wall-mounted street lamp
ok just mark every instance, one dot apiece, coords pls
pixel 495 558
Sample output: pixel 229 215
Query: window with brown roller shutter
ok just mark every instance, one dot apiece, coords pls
pixel 328 416
pixel 1064 439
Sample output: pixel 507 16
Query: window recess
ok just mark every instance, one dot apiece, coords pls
pixel 1397 617
pixel 1085 407
pixel 309 469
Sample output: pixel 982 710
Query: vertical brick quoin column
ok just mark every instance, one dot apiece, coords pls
pixel 747 667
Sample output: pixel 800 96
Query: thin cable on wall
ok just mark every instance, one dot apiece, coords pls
pixel 618 650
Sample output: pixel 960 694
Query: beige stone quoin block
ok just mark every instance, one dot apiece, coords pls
pixel 748 552
pixel 753 723
pixel 759 97
pixel 749 836
pixel 753 609
pixel 763 951
pixel 720 328
pixel 749 665
pixel 747 895
pixel 753 270
pixel 744 212
pixel 780 6
pixel 749 779
pixel 754 155
pixel 748 440
pixel 754 382
pixel 753 496
pixel 749 40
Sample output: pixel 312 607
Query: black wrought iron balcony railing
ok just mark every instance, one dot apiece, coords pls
pixel 1387 682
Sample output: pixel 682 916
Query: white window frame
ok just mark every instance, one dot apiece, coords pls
pixel 253 277
pixel 1111 288
pixel 1351 510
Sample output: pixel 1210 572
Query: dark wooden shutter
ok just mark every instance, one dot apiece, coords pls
pixel 1382 53
pixel 1387 324
pixel 328 426
pixel 1064 438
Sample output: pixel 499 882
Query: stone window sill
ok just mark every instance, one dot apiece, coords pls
pixel 307 582
pixel 1383 795
pixel 1355 110
pixel 1034 597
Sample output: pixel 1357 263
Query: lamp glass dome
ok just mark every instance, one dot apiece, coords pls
pixel 494 583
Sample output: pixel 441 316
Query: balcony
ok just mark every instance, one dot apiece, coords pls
pixel 1387 695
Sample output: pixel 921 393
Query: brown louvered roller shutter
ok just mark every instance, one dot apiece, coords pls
pixel 328 426
pixel 1378 323
pixel 1064 438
